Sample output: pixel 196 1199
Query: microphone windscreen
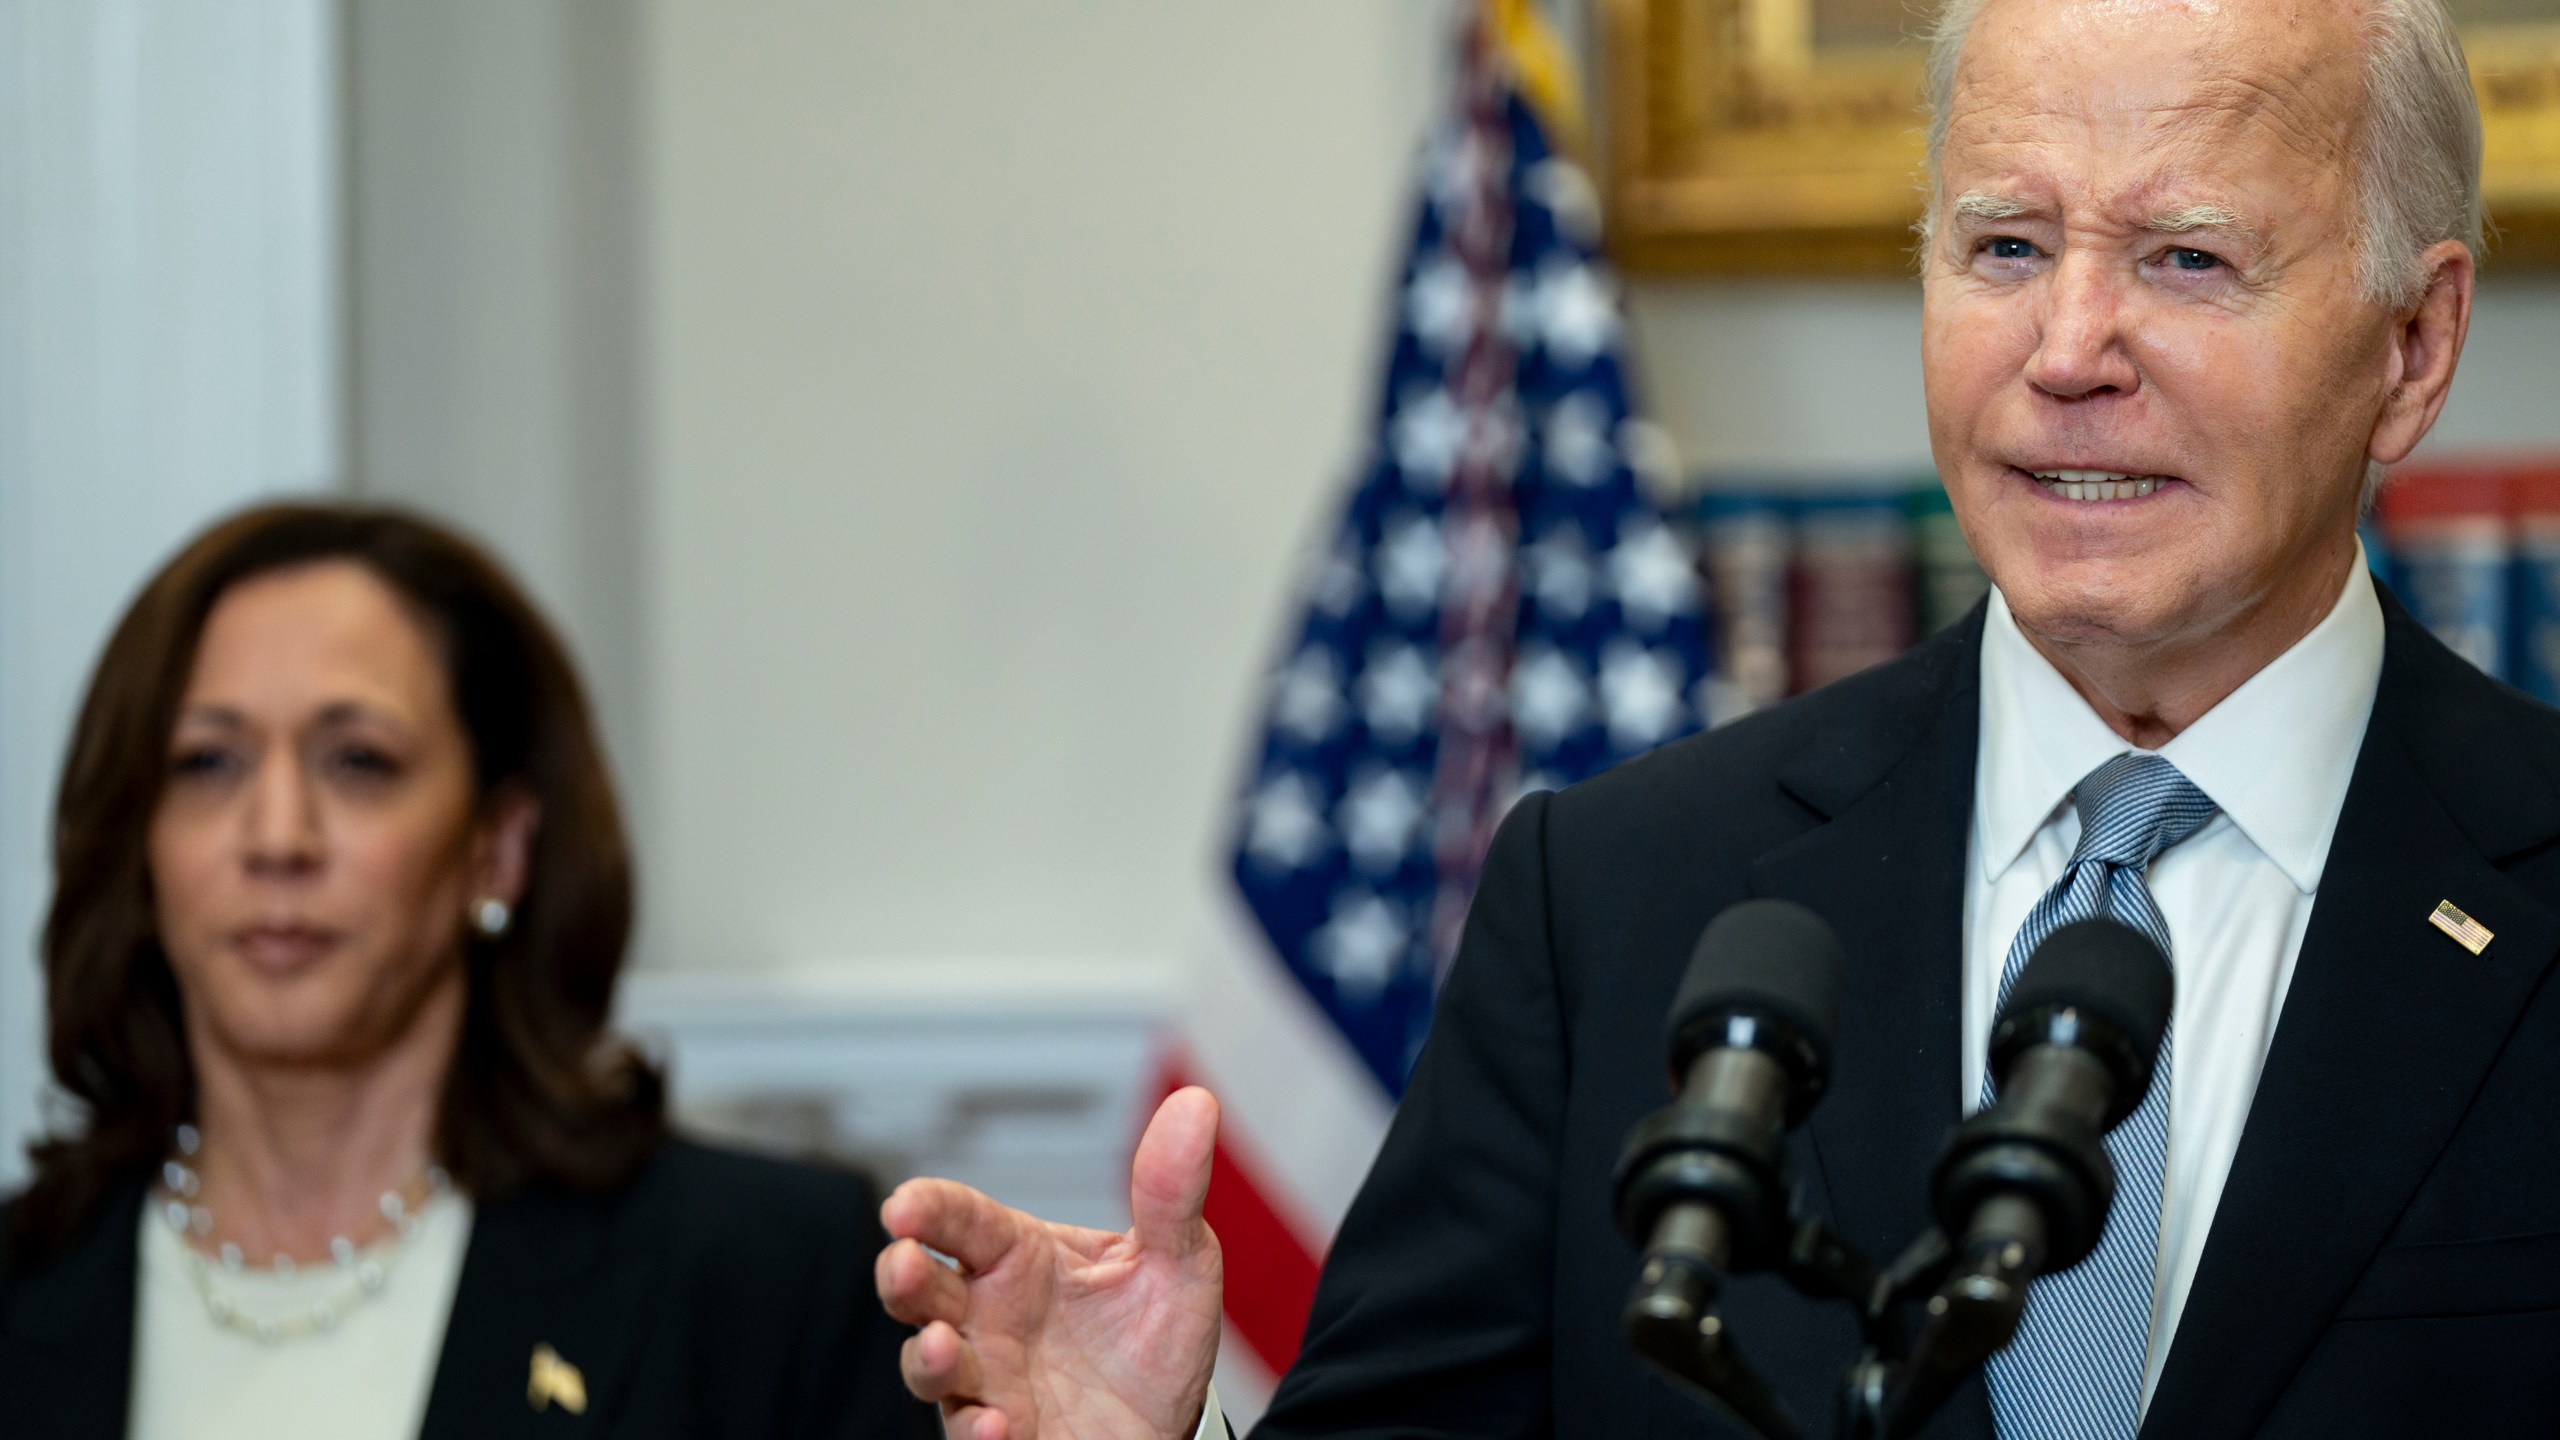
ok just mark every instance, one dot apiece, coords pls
pixel 2105 969
pixel 1769 958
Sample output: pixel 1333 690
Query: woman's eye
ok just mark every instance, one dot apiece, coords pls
pixel 202 762
pixel 2183 258
pixel 2008 247
pixel 365 762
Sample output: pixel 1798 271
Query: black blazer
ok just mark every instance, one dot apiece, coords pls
pixel 2386 1256
pixel 716 1295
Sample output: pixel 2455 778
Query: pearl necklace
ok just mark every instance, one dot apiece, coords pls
pixel 366 1272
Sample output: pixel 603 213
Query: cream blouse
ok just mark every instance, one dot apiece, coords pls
pixel 365 1379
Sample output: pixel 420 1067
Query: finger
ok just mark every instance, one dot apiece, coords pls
pixel 1169 1179
pixel 975 1422
pixel 938 1365
pixel 953 1219
pixel 918 1289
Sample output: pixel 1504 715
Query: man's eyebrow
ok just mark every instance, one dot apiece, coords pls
pixel 1983 205
pixel 2205 216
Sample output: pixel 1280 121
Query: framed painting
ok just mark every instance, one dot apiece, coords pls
pixel 1785 136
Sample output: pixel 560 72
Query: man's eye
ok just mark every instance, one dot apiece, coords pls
pixel 2183 258
pixel 2008 247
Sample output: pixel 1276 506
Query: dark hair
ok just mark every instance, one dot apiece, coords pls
pixel 539 1090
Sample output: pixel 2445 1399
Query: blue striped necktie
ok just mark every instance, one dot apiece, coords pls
pixel 2074 1372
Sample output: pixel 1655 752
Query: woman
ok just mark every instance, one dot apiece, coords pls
pixel 341 894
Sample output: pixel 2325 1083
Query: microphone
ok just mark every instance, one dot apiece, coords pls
pixel 1701 1184
pixel 2023 1187
pixel 2026 1180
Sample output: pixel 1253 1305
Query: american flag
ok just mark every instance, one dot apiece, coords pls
pixel 1501 608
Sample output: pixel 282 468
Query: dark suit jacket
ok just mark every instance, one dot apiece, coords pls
pixel 2384 1261
pixel 717 1295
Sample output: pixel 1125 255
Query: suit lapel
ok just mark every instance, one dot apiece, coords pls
pixel 1894 787
pixel 66 1344
pixel 1887 870
pixel 541 1271
pixel 2387 1030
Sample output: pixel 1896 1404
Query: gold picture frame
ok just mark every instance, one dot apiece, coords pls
pixel 1786 136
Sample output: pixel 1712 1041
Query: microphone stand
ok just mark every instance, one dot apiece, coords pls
pixel 1976 1296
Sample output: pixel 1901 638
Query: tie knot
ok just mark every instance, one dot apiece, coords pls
pixel 2135 806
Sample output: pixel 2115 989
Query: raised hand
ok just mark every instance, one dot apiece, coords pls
pixel 1055 1332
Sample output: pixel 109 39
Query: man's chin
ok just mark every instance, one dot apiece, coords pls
pixel 2078 613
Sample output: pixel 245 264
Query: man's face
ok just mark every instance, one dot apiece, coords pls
pixel 2144 267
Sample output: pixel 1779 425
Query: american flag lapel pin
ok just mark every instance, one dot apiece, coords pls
pixel 555 1381
pixel 2470 934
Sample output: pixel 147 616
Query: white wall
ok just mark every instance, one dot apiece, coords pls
pixel 493 365
pixel 1000 355
pixel 168 349
pixel 1785 377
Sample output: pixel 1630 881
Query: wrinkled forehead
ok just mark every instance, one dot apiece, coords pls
pixel 2268 88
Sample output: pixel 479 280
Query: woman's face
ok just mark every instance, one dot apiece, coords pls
pixel 318 842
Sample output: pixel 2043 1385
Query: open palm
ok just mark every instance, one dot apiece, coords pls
pixel 1057 1332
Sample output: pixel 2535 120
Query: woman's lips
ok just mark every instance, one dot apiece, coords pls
pixel 283 949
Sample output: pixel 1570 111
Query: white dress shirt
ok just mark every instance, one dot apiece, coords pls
pixel 366 1379
pixel 2276 756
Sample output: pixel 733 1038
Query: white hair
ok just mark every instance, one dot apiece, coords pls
pixel 2418 141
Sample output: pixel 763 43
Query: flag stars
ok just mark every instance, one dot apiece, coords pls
pixel 1411 559
pixel 1559 573
pixel 1306 696
pixel 1550 699
pixel 1577 313
pixel 1378 817
pixel 1398 689
pixel 1569 195
pixel 1640 693
pixel 1284 823
pixel 1653 574
pixel 1577 449
pixel 1439 305
pixel 1361 945
pixel 1338 583
pixel 1427 434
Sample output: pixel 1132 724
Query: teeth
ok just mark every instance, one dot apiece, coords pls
pixel 2097 484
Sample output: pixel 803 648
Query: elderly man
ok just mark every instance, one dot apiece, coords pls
pixel 2195 270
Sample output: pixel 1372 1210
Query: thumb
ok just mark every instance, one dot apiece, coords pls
pixel 1169 1179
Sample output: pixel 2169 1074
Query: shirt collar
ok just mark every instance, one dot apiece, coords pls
pixel 2039 738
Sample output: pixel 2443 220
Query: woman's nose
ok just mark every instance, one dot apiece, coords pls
pixel 281 826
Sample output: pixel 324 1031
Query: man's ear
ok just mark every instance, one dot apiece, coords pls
pixel 503 861
pixel 2426 342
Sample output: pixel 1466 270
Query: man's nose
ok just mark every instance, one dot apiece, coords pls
pixel 2080 346
pixel 283 819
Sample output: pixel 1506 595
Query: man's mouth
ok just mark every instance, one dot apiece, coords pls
pixel 2097 485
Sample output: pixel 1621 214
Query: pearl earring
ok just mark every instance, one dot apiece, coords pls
pixel 491 917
